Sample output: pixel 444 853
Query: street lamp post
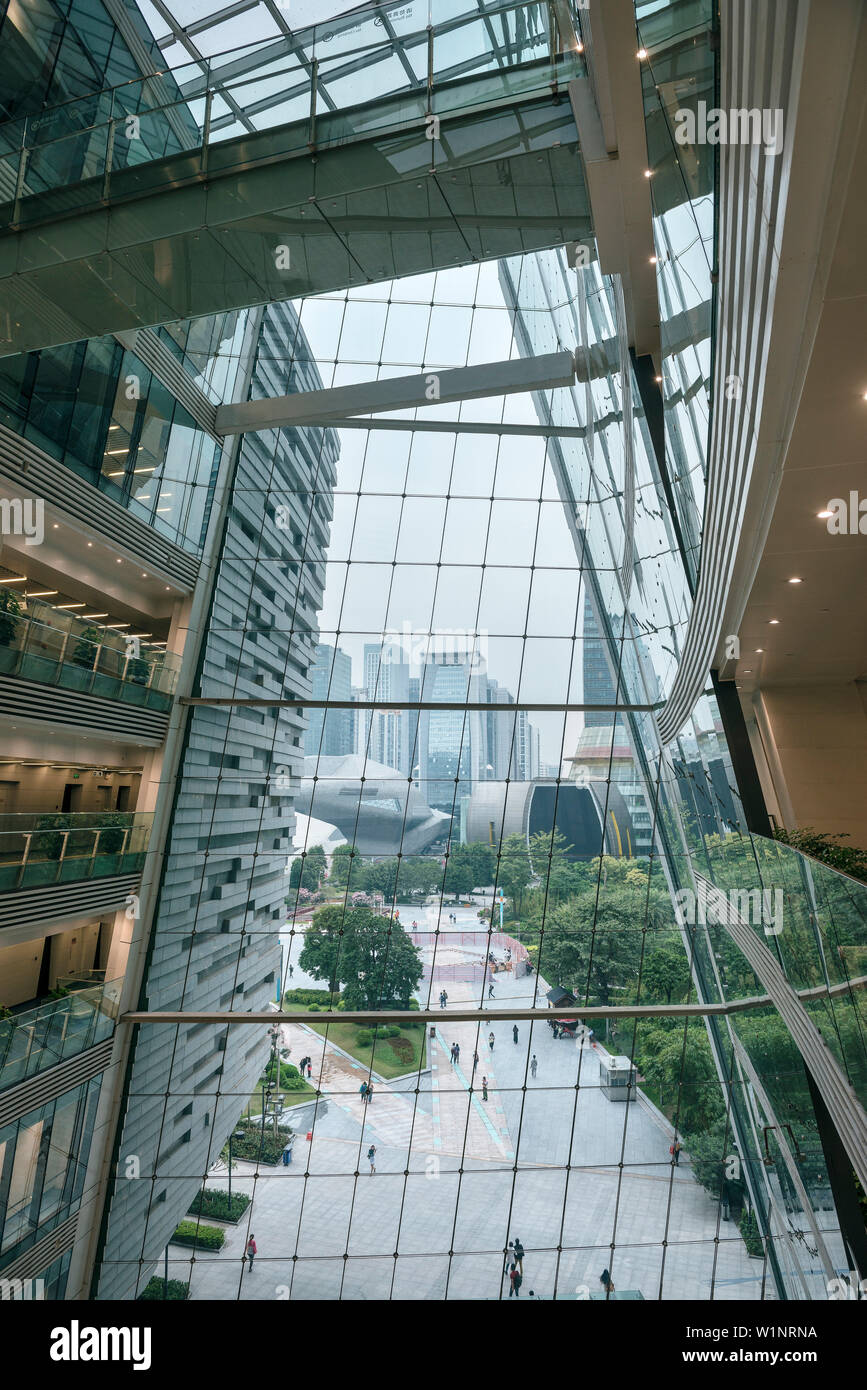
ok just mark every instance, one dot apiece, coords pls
pixel 236 1134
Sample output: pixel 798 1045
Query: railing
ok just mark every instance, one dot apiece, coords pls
pixel 355 77
pixel 55 648
pixel 63 847
pixel 39 1038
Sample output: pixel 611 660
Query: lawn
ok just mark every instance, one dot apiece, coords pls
pixel 289 1098
pixel 388 1056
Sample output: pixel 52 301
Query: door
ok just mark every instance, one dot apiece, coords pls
pixel 72 794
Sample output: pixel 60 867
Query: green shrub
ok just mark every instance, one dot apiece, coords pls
pixel 259 1148
pixel 157 1288
pixel 214 1202
pixel 749 1229
pixel 364 1037
pixel 200 1237
pixel 314 1008
pixel 308 996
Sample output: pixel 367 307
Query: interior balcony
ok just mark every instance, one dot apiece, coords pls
pixel 62 865
pixel 34 1037
pixel 77 668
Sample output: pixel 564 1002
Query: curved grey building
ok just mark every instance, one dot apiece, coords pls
pixel 594 819
pixel 377 808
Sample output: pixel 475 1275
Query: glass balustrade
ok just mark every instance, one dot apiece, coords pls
pixel 54 648
pixel 37 1038
pixel 347 79
pixel 63 847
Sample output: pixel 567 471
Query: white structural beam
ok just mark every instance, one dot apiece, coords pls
pixel 609 114
pixel 553 369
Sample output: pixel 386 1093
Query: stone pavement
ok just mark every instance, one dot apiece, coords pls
pixel 549 1159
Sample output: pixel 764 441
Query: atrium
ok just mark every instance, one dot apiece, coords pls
pixel 433 846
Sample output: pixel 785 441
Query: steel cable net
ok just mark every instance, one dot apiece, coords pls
pixel 460 806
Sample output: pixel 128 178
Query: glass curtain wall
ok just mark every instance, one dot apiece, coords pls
pixel 491 601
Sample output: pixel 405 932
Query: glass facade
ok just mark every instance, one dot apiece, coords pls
pixel 485 570
pixel 43 1161
pixel 421 770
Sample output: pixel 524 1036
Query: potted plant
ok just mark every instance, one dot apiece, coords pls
pixel 86 648
pixel 10 616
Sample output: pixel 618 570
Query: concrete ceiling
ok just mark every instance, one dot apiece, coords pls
pixel 820 635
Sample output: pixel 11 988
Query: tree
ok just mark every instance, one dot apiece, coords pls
pixel 345 865
pixel 380 876
pixel 595 948
pixel 715 1161
pixel 321 955
pixel 379 963
pixel 513 869
pixel 665 973
pixel 308 869
pixel 549 857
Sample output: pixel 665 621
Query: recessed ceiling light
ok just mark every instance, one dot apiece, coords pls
pixel 822 515
pixel 759 650
pixel 774 622
pixel 748 671
pixel 90 545
pixel 653 260
pixel 642 53
pixel 168 588
pixel 648 173
pixel 118 562
pixel 55 526
pixel 796 580
pixel 144 576
pixel 42 593
pixel 657 378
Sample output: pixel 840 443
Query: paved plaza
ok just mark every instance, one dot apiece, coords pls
pixel 547 1159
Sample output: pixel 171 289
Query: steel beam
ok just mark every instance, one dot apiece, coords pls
pixel 553 369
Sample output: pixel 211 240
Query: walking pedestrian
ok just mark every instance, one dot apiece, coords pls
pixel 457 1052
pixel 515 1282
pixel 519 1255
pixel 490 991
pixel 491 1041
pixel 287 1154
pixel 371 1158
pixel 675 1152
pixel 515 1034
pixel 252 1250
pixel 533 1065
pixel 362 1091
pixel 291 971
pixel 484 1088
pixel 475 1062
pixel 511 1257
pixel 309 1069
pixel 605 1281
pixel 369 1092
pixel 445 998
pixel 452 1054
